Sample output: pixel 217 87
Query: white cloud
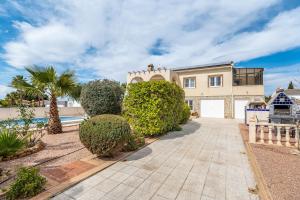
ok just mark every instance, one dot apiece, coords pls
pixel 4 90
pixel 113 37
pixel 279 77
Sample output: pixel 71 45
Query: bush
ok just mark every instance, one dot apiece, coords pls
pixel 153 107
pixel 101 97
pixel 186 113
pixel 28 183
pixel 135 141
pixel 10 143
pixel 104 135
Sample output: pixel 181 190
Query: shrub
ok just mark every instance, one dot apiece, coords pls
pixel 10 143
pixel 153 107
pixel 101 97
pixel 104 135
pixel 135 141
pixel 186 113
pixel 28 183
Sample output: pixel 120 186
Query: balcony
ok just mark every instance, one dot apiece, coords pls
pixel 247 76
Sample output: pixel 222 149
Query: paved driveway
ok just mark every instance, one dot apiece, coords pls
pixel 204 161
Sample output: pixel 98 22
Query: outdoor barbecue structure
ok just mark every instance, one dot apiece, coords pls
pixel 283 109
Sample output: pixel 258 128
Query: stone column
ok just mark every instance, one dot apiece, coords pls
pixel 252 130
pixel 270 135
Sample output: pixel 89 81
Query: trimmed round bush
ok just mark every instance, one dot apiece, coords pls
pixel 153 107
pixel 104 135
pixel 101 97
pixel 186 113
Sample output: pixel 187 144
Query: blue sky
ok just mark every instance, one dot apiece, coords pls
pixel 106 39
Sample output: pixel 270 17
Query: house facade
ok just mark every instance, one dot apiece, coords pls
pixel 217 90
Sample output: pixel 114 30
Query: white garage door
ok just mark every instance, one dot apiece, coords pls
pixel 212 108
pixel 239 109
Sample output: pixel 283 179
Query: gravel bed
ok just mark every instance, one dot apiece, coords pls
pixel 56 145
pixel 280 167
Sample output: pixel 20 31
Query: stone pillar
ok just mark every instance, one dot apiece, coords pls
pixel 287 136
pixel 252 130
pixel 270 135
pixel 278 135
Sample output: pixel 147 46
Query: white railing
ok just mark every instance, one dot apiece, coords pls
pixel 274 134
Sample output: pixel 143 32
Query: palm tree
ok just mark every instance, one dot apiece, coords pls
pixel 45 80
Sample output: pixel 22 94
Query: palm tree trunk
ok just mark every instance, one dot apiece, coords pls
pixel 54 121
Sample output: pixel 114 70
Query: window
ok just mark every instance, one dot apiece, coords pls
pixel 190 104
pixel 189 82
pixel 215 81
pixel 247 76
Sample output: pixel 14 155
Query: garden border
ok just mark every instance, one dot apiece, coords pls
pixel 263 191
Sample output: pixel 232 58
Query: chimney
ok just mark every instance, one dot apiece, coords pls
pixel 279 90
pixel 150 67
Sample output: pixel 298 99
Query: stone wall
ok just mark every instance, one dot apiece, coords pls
pixel 6 113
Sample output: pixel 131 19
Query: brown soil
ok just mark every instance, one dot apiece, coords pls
pixel 280 167
pixel 58 146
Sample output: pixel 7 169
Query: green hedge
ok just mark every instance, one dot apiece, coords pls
pixel 186 113
pixel 101 97
pixel 154 107
pixel 105 135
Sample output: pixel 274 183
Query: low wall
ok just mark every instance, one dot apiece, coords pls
pixel 262 115
pixel 6 113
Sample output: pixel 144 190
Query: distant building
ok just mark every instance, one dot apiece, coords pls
pixel 64 103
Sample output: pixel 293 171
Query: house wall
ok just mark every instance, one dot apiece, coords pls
pixel 257 90
pixel 201 76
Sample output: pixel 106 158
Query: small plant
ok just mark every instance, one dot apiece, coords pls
pixel 26 115
pixel 104 135
pixel 28 183
pixel 10 143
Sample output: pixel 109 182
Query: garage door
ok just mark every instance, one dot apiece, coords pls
pixel 212 108
pixel 239 109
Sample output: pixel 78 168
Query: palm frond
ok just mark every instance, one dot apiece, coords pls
pixel 66 82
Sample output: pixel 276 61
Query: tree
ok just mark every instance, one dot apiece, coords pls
pixel 101 97
pixel 45 80
pixel 291 85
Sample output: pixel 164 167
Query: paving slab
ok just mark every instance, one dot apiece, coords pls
pixel 206 160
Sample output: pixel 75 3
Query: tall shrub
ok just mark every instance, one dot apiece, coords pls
pixel 154 107
pixel 101 97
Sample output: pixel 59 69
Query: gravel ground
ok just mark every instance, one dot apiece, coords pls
pixel 280 167
pixel 56 146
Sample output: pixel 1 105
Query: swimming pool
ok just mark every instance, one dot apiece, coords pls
pixel 63 119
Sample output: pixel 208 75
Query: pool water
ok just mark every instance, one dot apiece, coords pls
pixel 45 119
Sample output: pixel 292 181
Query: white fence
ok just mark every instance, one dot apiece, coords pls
pixel 274 134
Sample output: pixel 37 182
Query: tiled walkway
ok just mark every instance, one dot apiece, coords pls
pixel 205 161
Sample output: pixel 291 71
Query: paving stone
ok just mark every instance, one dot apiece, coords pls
pixel 91 194
pixel 145 191
pixel 119 176
pixel 120 192
pixel 133 181
pixel 129 169
pixel 107 172
pixel 107 185
pixel 188 195
pixel 62 196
